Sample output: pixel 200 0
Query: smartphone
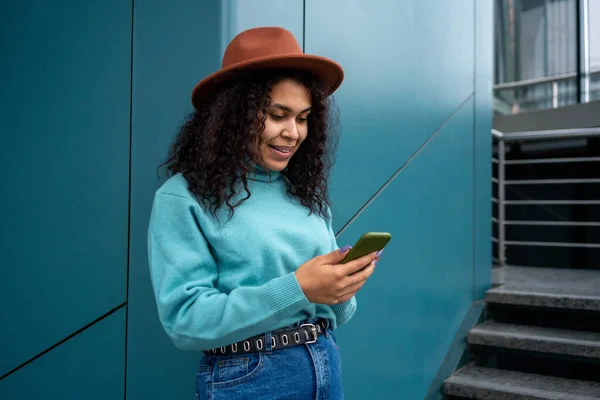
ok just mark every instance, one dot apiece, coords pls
pixel 368 243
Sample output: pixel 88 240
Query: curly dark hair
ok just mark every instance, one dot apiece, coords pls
pixel 217 144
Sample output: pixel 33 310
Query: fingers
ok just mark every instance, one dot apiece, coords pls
pixel 350 291
pixel 358 264
pixel 363 275
pixel 335 257
pixel 354 283
pixel 342 282
pixel 353 289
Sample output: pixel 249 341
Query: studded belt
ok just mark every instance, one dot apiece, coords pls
pixel 280 339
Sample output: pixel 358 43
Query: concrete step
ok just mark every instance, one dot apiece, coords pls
pixel 472 382
pixel 537 339
pixel 559 288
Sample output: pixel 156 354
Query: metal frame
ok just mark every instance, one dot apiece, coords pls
pixel 557 134
pixel 502 140
pixel 551 160
pixel 552 223
pixel 550 181
pixel 584 50
pixel 501 196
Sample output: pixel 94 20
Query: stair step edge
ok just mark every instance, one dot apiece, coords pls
pixel 493 384
pixel 533 338
pixel 542 299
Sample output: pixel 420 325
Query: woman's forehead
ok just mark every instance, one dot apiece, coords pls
pixel 291 95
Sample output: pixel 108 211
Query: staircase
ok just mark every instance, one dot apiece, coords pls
pixel 540 340
pixel 541 335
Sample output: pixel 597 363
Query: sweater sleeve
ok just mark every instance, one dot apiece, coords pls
pixel 194 314
pixel 343 311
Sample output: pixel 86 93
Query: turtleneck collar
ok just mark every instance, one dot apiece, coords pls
pixel 263 175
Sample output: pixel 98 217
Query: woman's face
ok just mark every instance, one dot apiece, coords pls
pixel 286 124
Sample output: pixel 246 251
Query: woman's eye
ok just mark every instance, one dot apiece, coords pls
pixel 277 117
pixel 302 120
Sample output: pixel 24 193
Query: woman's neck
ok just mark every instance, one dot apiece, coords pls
pixel 264 175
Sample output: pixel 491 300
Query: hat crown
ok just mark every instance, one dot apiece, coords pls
pixel 258 43
pixel 267 48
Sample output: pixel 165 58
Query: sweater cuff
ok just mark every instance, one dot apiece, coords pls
pixel 344 311
pixel 284 292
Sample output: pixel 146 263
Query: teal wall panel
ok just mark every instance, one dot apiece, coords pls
pixel 411 308
pixel 239 15
pixel 64 120
pixel 408 64
pixel 88 366
pixel 175 45
pixel 484 66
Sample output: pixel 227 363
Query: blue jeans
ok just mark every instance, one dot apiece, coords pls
pixel 311 371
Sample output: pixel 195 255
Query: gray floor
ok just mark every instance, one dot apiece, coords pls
pixel 550 280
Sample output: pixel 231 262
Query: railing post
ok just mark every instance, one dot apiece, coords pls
pixel 583 22
pixel 501 199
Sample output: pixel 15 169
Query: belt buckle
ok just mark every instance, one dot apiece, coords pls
pixel 313 329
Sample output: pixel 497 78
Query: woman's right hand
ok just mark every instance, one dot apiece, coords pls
pixel 325 281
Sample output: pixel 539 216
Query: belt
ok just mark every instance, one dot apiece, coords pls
pixel 280 339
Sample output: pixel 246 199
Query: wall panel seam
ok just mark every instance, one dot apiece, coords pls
pixel 72 335
pixel 129 198
pixel 404 165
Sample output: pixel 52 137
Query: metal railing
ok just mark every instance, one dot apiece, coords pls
pixel 503 143
pixel 548 92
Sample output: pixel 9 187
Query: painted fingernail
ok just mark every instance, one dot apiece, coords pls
pixel 379 253
pixel 345 248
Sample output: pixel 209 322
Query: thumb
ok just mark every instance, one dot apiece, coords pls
pixel 337 255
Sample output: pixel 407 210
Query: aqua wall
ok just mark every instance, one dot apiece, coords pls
pixel 92 95
pixel 64 156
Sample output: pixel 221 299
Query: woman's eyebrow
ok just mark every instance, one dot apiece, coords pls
pixel 287 109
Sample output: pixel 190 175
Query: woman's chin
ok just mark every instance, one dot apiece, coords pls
pixel 274 165
pixel 274 160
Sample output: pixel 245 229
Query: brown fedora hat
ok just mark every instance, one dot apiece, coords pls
pixel 268 47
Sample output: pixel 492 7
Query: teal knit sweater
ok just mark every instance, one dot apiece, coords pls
pixel 217 282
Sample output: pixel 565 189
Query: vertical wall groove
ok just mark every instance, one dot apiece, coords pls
pixel 304 26
pixel 129 200
pixel 483 76
pixel 474 156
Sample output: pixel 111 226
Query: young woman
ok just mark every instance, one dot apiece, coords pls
pixel 243 258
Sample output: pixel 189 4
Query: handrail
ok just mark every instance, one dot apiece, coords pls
pixel 536 81
pixel 497 134
pixel 547 134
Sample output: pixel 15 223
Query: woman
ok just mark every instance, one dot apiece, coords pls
pixel 243 259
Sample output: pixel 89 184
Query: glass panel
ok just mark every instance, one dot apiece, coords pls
pixel 536 54
pixel 594 24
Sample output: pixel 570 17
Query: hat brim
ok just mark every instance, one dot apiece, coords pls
pixel 327 71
